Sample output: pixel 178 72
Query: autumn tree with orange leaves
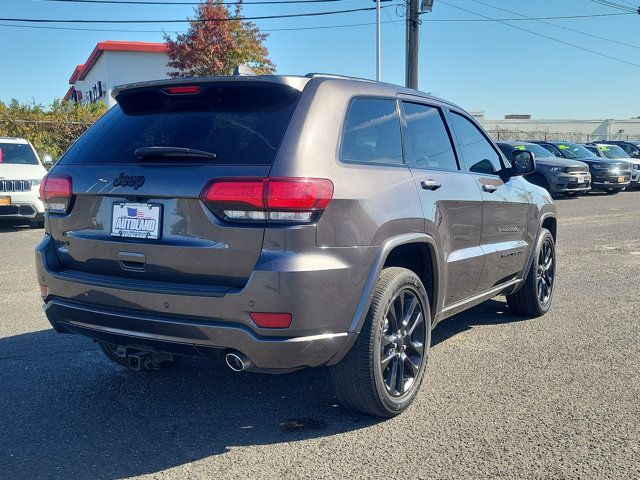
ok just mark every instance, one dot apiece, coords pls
pixel 216 43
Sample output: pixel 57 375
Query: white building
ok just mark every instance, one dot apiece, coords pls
pixel 116 63
pixel 522 127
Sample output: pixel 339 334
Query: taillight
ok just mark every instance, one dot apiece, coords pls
pixel 274 199
pixel 56 192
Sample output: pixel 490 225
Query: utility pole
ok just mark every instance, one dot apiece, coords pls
pixel 378 43
pixel 414 9
pixel 413 37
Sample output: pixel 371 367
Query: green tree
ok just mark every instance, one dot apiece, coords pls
pixel 216 43
pixel 51 130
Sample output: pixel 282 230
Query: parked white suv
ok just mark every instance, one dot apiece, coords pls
pixel 20 175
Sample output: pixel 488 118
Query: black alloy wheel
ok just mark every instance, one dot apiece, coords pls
pixel 402 342
pixel 382 372
pixel 546 272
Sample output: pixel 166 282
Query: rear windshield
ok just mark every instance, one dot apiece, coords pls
pixel 241 125
pixel 17 154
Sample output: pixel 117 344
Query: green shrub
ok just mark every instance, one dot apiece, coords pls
pixel 51 130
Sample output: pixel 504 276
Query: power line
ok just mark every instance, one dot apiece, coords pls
pixel 151 2
pixel 558 26
pixel 81 29
pixel 194 20
pixel 618 6
pixel 543 36
pixel 322 27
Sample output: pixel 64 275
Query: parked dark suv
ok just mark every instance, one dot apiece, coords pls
pixel 610 176
pixel 554 174
pixel 288 222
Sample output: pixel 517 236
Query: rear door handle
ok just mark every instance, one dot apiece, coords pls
pixel 430 184
pixel 489 188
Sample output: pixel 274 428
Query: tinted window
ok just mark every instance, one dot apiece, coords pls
pixel 372 132
pixel 630 149
pixel 613 151
pixel 573 150
pixel 17 153
pixel 552 149
pixel 594 151
pixel 241 130
pixel 536 149
pixel 476 149
pixel 428 143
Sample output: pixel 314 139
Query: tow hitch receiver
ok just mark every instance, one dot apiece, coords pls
pixel 143 359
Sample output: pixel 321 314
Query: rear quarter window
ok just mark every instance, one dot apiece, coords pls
pixel 371 132
pixel 241 125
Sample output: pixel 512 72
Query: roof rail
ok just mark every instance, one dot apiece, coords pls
pixel 333 75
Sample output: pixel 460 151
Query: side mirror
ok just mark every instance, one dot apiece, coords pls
pixel 523 162
pixel 47 160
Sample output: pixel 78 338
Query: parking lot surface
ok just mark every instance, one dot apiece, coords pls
pixel 505 396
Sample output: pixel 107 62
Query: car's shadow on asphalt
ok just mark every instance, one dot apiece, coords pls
pixel 68 413
pixel 13 226
pixel 491 312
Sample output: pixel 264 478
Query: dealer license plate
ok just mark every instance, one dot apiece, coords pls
pixel 136 220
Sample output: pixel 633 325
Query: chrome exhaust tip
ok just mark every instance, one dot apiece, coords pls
pixel 236 361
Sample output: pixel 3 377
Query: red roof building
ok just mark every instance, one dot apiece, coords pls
pixel 114 63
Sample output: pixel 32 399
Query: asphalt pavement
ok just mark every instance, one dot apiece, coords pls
pixel 505 396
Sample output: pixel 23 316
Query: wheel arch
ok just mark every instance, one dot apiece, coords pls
pixel 396 251
pixel 548 221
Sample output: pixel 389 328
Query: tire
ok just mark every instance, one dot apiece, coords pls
pixel 570 194
pixel 534 299
pixel 360 380
pixel 37 224
pixel 613 191
pixel 110 350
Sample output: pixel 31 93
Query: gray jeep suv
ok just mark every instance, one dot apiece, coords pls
pixel 286 222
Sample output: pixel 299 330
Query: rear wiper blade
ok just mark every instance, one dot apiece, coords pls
pixel 146 152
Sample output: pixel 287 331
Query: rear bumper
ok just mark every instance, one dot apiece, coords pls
pixel 201 323
pixel 192 336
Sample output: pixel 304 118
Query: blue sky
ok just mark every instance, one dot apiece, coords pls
pixel 479 65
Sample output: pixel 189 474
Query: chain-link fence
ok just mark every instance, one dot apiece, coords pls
pixel 507 135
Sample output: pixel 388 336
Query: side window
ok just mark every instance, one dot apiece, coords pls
pixel 629 150
pixel 553 149
pixel 595 151
pixel 476 149
pixel 372 132
pixel 428 143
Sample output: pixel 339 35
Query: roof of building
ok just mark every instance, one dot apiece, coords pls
pixel 81 70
